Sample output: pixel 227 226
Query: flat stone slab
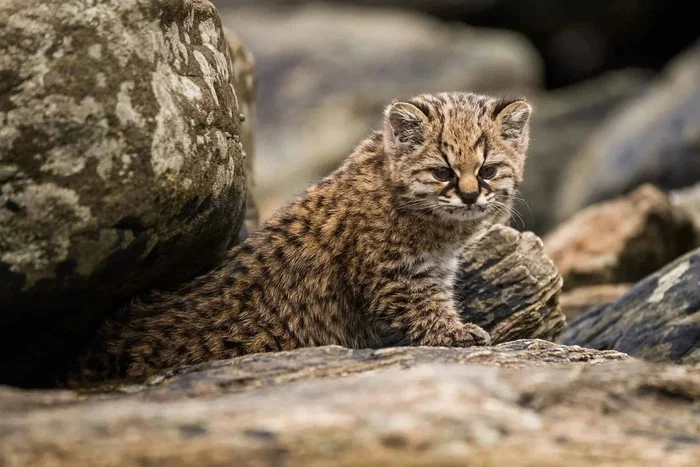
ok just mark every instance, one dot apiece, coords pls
pixel 521 403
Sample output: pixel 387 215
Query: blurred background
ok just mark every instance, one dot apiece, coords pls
pixel 615 84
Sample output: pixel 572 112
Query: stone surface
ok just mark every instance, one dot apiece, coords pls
pixel 561 123
pixel 509 286
pixel 326 74
pixel 245 84
pixel 621 240
pixel 688 199
pixel 654 140
pixel 576 301
pixel 120 160
pixel 519 404
pixel 657 320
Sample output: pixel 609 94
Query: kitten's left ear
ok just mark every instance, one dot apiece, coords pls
pixel 513 119
pixel 405 124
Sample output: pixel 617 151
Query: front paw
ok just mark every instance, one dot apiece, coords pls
pixel 458 335
pixel 471 335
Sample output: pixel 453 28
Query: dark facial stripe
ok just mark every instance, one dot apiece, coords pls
pixel 452 184
pixel 480 140
pixel 484 184
pixel 444 157
pixel 441 140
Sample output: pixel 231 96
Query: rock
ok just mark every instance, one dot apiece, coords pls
pixel 327 73
pixel 509 286
pixel 562 122
pixel 245 84
pixel 620 241
pixel 518 404
pixel 120 161
pixel 657 320
pixel 654 140
pixel 576 301
pixel 688 200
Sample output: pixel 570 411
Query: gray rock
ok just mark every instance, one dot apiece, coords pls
pixel 509 286
pixel 657 320
pixel 120 161
pixel 562 122
pixel 326 74
pixel 519 404
pixel 655 139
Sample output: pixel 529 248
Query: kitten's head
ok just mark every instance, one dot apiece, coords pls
pixel 458 156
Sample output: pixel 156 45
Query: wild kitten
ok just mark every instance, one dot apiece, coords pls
pixel 365 258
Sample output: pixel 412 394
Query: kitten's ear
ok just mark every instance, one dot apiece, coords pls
pixel 513 119
pixel 405 124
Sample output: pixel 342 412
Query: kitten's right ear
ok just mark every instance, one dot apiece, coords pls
pixel 405 124
pixel 513 118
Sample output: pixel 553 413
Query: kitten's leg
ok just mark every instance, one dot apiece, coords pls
pixel 424 314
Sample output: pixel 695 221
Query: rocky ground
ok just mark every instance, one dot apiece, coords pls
pixel 521 403
pixel 114 179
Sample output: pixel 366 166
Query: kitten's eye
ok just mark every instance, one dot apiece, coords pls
pixel 487 172
pixel 443 173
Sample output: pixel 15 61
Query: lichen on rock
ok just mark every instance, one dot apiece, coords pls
pixel 120 155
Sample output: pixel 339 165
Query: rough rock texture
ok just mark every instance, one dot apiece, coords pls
pixel 513 404
pixel 621 240
pixel 655 140
pixel 576 301
pixel 120 160
pixel 562 122
pixel 326 74
pixel 509 286
pixel 657 320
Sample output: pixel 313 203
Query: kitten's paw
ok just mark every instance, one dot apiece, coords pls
pixel 458 335
pixel 471 334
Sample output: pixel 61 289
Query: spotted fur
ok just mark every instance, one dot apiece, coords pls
pixel 364 258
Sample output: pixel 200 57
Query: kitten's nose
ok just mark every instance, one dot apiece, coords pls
pixel 469 198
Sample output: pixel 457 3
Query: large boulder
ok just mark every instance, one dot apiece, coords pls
pixel 326 74
pixel 121 163
pixel 621 240
pixel 518 404
pixel 655 139
pixel 658 319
